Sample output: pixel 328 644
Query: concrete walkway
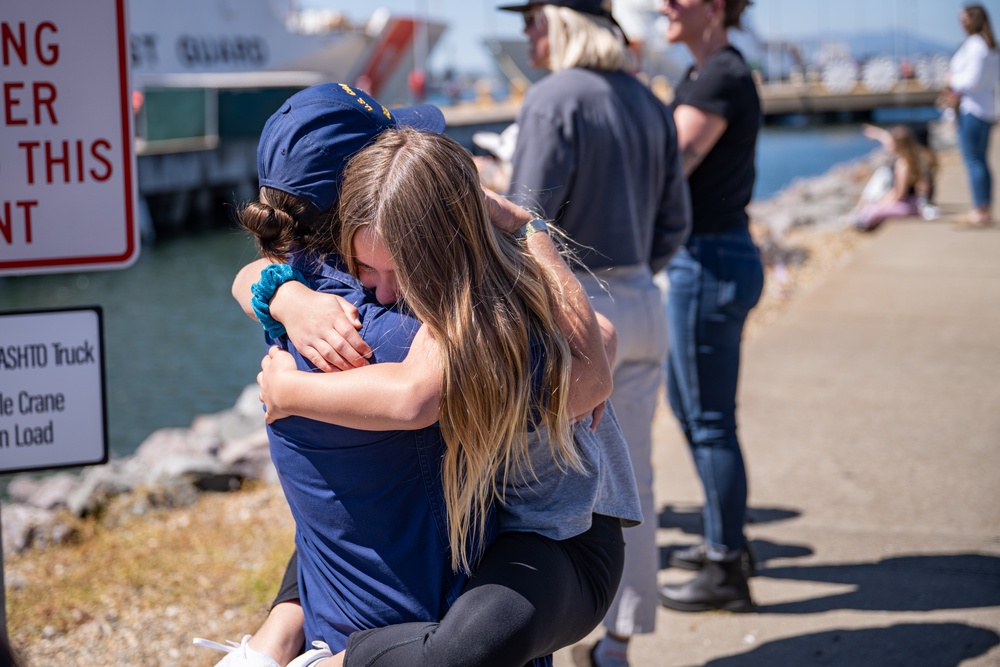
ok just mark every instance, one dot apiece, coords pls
pixel 870 418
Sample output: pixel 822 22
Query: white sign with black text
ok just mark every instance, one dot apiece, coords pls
pixel 53 412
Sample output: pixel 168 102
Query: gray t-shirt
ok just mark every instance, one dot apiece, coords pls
pixel 597 153
pixel 561 502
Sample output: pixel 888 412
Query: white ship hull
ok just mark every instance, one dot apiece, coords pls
pixel 224 43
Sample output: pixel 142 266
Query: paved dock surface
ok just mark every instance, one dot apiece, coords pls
pixel 870 419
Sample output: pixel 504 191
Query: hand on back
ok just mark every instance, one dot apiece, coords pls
pixel 322 327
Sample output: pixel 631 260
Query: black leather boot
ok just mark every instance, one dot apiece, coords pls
pixel 695 556
pixel 719 585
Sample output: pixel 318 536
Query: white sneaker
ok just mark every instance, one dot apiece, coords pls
pixel 240 655
pixel 319 651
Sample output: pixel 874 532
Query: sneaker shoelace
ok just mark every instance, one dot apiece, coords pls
pixel 232 646
pixel 247 657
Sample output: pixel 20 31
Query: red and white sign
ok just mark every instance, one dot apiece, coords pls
pixel 67 167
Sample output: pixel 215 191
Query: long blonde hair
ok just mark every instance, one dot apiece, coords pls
pixel 484 300
pixel 906 147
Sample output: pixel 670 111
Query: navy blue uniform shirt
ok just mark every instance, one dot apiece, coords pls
pixel 371 526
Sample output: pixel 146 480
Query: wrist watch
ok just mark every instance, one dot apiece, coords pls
pixel 536 225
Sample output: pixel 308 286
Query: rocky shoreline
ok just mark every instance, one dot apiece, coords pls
pixel 802 232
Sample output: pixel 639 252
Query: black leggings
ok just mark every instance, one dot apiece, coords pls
pixel 289 591
pixel 529 596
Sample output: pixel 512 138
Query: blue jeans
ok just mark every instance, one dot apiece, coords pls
pixel 714 282
pixel 974 139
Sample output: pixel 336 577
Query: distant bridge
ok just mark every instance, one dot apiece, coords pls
pixel 815 98
pixel 777 99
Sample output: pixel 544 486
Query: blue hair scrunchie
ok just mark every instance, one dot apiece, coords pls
pixel 271 278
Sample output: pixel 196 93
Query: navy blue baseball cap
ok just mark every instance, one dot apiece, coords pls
pixel 306 144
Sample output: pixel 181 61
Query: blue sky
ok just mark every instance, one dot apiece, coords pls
pixel 470 21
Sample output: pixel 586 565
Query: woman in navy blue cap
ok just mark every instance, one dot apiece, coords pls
pixel 547 580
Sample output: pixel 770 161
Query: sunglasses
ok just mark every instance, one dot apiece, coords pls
pixel 531 18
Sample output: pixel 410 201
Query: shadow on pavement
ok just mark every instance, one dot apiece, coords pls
pixel 763 551
pixel 687 518
pixel 905 583
pixel 770 514
pixel 902 645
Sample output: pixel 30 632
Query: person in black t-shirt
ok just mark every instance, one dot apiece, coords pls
pixel 715 279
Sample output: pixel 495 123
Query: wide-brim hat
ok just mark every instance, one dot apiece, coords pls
pixel 306 144
pixel 592 7
pixel 582 6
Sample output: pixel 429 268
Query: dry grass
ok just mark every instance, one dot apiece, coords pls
pixel 162 578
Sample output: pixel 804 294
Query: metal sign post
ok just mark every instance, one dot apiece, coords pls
pixel 53 407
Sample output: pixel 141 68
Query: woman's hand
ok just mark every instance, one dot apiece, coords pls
pixel 274 368
pixel 948 99
pixel 322 327
pixel 505 214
